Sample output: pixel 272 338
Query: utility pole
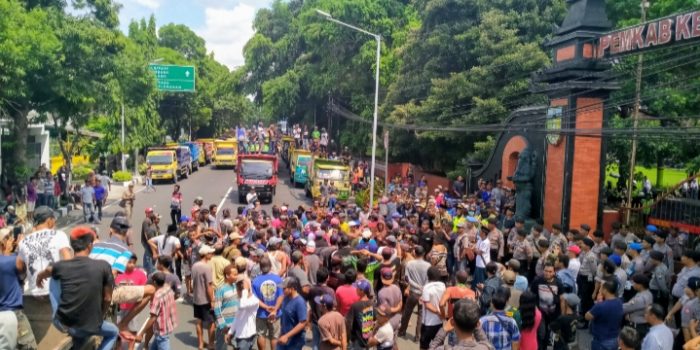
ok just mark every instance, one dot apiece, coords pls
pixel 123 140
pixel 635 117
pixel 386 162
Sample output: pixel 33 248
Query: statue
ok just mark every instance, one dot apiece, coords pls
pixel 524 174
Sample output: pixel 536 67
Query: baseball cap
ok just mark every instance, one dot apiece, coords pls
pixel 364 286
pixel 4 233
pixel 326 300
pixel 43 213
pixel 149 211
pixel 656 255
pixel 366 234
pixel 508 277
pixel 184 218
pixel 120 223
pixel 694 283
pixel 390 239
pixel 274 241
pixel 616 259
pixel 234 235
pixel 82 231
pixel 514 264
pixel 310 246
pixel 472 219
pixel 575 249
pixel 586 227
pixel 387 274
pixel 205 249
pixel 290 282
pixel 10 207
pixel 635 246
pixel 384 310
pixel 651 228
pixel 353 223
pixel 258 252
pixel 571 299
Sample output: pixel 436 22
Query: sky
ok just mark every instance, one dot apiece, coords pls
pixel 225 25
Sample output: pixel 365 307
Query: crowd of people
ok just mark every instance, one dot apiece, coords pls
pixel 470 273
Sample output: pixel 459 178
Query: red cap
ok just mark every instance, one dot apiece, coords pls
pixel 575 249
pixel 81 231
pixel 149 211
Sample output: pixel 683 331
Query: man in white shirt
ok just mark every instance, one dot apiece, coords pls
pixel 483 256
pixel 431 321
pixel 660 336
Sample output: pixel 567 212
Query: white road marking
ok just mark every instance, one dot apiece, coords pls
pixel 221 204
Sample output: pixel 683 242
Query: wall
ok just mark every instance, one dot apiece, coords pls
pixel 509 161
pixel 402 168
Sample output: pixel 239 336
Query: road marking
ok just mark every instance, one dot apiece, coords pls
pixel 224 199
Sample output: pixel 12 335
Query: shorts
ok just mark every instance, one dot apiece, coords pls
pixel 185 268
pixel 127 294
pixel 204 313
pixel 30 206
pixel 269 330
pixel 25 335
pixel 133 324
pixel 427 333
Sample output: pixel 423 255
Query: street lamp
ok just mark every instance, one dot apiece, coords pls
pixel 378 38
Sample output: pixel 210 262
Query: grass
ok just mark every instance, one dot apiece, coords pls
pixel 671 177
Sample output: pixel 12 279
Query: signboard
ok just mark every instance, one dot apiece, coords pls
pixel 678 28
pixel 553 125
pixel 174 78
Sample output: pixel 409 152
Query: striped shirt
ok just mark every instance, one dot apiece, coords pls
pixel 114 251
pixel 164 309
pixel 501 330
pixel 225 305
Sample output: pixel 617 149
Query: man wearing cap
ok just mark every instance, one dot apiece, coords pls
pixel 114 250
pixel 521 281
pixel 331 324
pixel 85 292
pixel 360 320
pixel 574 263
pixel 293 319
pixel 659 278
pixel 390 294
pixel 586 275
pixel 563 329
pixel 522 250
pixel 661 246
pixel 635 308
pixel 513 234
pixel 203 295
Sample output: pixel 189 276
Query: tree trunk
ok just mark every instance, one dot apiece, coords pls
pixel 20 131
pixel 659 170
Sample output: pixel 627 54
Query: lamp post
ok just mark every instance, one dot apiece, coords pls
pixel 378 38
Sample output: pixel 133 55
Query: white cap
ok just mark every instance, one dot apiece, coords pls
pixel 366 234
pixel 205 249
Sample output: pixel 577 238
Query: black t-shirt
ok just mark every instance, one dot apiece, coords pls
pixel 315 291
pixel 82 280
pixel 362 316
pixel 563 332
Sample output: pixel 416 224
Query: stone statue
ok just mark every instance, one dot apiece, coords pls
pixel 523 178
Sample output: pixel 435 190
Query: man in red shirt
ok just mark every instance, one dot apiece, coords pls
pixel 132 276
pixel 346 295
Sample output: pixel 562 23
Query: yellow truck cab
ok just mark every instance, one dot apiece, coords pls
pixel 225 153
pixel 334 171
pixel 167 164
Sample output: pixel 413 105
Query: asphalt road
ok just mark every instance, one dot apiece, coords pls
pixel 216 186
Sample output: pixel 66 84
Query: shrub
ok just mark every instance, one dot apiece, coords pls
pixel 122 176
pixel 142 168
pixel 80 173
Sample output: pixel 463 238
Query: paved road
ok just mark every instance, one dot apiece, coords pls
pixel 216 186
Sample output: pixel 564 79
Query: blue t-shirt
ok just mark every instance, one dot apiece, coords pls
pixel 99 193
pixel 370 245
pixel 10 288
pixel 267 288
pixel 293 313
pixel 607 317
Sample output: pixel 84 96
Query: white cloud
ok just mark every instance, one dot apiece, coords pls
pixel 227 30
pixel 150 4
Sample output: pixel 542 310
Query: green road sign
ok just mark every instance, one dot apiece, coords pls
pixel 174 78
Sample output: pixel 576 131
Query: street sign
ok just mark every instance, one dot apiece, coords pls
pixel 174 78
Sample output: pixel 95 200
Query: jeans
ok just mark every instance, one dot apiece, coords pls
pixel 316 337
pixel 175 215
pixel 149 183
pixel 88 212
pixel 220 339
pixel 98 205
pixel 245 343
pixel 108 331
pixel 604 344
pixel 148 262
pixel 54 295
pixel 479 276
pixel 411 302
pixel 50 201
pixel 160 342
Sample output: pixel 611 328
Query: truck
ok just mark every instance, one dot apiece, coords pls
pixel 169 163
pixel 225 153
pixel 299 161
pixel 334 171
pixel 195 151
pixel 208 146
pixel 257 171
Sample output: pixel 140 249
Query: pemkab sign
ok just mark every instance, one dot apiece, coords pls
pixel 673 29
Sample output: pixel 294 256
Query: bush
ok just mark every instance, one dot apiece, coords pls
pixel 80 173
pixel 121 176
pixel 142 168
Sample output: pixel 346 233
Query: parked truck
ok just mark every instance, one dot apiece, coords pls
pixel 208 146
pixel 225 153
pixel 334 172
pixel 195 152
pixel 169 163
pixel 257 171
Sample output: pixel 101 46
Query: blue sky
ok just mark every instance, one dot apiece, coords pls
pixel 226 25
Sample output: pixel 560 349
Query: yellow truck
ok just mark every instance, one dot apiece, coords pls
pixel 225 153
pixel 169 163
pixel 334 171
